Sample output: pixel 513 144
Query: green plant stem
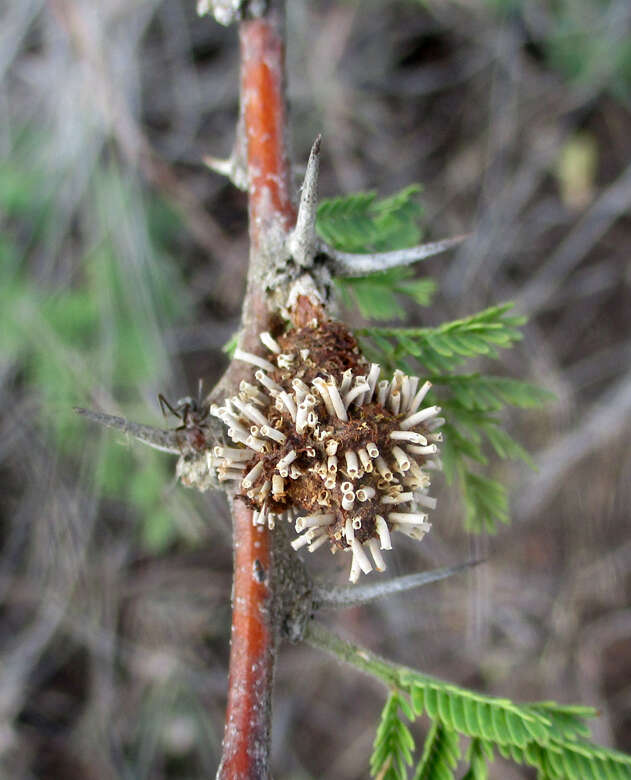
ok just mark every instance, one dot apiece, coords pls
pixel 318 636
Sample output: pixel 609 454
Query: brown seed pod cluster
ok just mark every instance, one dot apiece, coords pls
pixel 322 442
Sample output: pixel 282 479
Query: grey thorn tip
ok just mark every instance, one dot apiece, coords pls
pixel 302 243
pixel 163 440
pixel 341 596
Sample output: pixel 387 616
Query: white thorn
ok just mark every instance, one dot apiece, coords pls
pixel 302 240
pixel 405 392
pixel 252 393
pixel 301 418
pixel 223 476
pixel 435 423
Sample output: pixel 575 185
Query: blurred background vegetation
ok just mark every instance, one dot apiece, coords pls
pixel 122 263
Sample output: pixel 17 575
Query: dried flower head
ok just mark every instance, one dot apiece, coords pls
pixel 322 442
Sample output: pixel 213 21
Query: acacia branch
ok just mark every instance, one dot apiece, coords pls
pixel 246 744
pixel 247 735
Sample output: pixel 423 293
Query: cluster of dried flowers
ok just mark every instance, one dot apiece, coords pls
pixel 321 442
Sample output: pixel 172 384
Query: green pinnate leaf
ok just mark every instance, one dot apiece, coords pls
pixel 486 502
pixel 478 754
pixel 440 754
pixel 378 296
pixel 394 745
pixel 361 223
pixel 479 392
pixel 444 348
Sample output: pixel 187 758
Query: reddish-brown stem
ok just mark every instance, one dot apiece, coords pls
pixel 265 116
pixel 247 731
pixel 271 212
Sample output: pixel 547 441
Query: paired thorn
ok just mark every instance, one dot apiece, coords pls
pixel 302 241
pixel 159 439
pixel 234 168
pixel 354 595
pixel 303 244
pixel 351 264
pixel 231 168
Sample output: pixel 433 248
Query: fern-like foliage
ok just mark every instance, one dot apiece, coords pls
pixel 378 296
pixel 440 754
pixel 361 223
pixel 392 752
pixel 444 348
pixel 478 756
pixel 550 737
pixel 471 402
